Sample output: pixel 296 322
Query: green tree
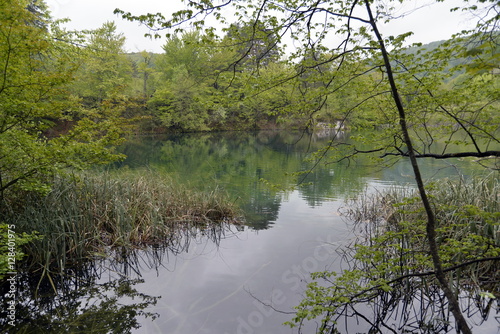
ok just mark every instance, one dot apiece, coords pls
pixel 255 44
pixel 106 72
pixel 186 97
pixel 180 103
pixel 199 88
pixel 146 73
pixel 406 89
pixel 36 69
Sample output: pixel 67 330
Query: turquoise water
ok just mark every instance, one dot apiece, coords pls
pixel 249 280
pixel 232 279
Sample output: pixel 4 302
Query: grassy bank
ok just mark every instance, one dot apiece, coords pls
pixel 93 213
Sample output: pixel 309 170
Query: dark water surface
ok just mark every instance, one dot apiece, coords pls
pixel 249 280
pixel 236 279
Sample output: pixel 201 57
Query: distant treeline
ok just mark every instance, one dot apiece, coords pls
pixel 240 81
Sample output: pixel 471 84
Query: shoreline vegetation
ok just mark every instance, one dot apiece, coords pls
pixel 69 98
pixel 388 266
pixel 91 214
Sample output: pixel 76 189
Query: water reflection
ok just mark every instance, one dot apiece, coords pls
pixel 411 307
pixel 100 296
pixel 219 289
pixel 221 279
pixel 245 164
pixel 76 302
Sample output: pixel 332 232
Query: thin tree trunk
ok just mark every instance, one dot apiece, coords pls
pixel 462 325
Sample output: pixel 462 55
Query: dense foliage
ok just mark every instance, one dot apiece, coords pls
pixel 388 267
pixel 43 127
pixel 67 98
pixel 341 61
pixel 247 78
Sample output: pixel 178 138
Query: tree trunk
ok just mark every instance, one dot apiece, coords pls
pixel 462 325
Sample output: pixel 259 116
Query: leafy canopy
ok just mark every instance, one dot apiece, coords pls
pixel 341 56
pixel 39 61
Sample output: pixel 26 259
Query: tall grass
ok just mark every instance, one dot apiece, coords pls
pixel 387 276
pixel 93 213
pixel 468 215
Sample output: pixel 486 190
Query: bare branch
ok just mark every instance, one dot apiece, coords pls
pixel 448 155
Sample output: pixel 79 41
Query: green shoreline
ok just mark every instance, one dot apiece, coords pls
pixel 89 214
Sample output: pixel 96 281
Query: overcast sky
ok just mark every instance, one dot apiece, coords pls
pixel 429 23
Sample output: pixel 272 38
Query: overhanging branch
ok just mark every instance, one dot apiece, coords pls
pixel 485 154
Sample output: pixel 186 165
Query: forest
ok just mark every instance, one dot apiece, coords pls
pixel 81 90
pixel 239 81
pixel 68 99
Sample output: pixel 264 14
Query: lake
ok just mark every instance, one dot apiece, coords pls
pixel 245 279
pixel 250 279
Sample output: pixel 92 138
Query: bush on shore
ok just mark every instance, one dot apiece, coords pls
pixel 387 268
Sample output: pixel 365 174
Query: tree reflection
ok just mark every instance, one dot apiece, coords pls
pixel 76 302
pixel 246 164
pixel 413 308
pixel 100 296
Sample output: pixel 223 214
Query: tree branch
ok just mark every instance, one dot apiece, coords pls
pixel 447 155
pixel 424 274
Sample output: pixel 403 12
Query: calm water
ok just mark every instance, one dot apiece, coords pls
pixel 250 279
pixel 247 279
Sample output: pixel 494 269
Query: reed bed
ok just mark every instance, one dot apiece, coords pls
pixel 388 276
pixel 93 213
pixel 468 216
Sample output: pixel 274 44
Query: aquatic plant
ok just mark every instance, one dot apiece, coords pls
pixel 90 214
pixel 388 277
